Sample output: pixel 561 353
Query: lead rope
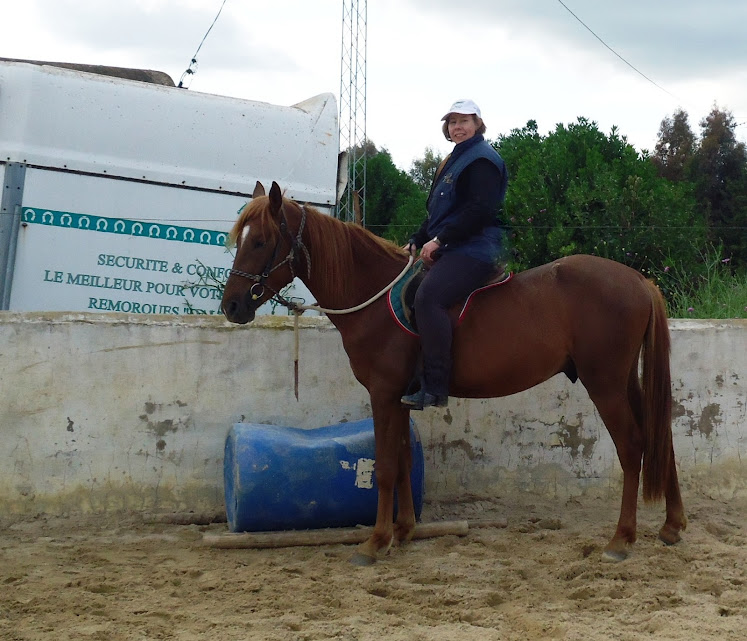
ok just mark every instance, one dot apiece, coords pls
pixel 300 309
pixel 295 353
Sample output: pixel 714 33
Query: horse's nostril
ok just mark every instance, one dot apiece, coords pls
pixel 230 309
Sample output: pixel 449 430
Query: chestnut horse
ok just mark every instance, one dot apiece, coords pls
pixel 588 317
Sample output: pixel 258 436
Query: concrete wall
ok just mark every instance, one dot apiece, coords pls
pixel 111 412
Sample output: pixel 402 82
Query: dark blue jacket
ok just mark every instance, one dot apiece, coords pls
pixel 450 212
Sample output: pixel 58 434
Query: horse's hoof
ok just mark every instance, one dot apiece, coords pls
pixel 615 556
pixel 669 536
pixel 403 535
pixel 362 560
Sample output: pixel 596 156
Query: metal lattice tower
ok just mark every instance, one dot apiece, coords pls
pixel 352 206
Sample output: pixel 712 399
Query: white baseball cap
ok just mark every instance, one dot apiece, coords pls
pixel 463 106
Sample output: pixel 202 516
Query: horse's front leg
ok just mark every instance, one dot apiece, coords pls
pixel 404 526
pixel 392 469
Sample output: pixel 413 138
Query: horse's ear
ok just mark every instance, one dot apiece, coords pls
pixel 276 198
pixel 259 190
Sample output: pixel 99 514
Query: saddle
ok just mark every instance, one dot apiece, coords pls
pixel 401 297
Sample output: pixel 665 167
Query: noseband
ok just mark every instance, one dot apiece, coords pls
pixel 257 290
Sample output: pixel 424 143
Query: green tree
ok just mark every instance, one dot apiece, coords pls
pixel 529 193
pixel 390 194
pixel 675 147
pixel 423 170
pixel 356 159
pixel 720 174
pixel 407 218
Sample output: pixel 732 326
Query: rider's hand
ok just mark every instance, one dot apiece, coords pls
pixel 428 251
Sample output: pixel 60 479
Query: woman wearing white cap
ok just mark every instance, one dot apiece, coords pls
pixel 460 241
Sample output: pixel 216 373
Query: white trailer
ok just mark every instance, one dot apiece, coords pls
pixel 118 194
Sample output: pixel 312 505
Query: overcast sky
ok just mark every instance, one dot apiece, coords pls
pixel 519 60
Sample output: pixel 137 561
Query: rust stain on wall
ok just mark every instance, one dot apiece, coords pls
pixel 679 410
pixel 444 448
pixel 709 418
pixel 571 437
pixel 706 424
pixel 161 428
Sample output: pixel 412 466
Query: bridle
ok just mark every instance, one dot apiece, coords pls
pixel 257 290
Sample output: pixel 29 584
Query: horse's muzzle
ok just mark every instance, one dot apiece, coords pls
pixel 238 311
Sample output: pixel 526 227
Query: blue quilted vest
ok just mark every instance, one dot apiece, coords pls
pixel 487 245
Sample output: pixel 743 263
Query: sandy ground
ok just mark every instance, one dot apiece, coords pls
pixel 117 578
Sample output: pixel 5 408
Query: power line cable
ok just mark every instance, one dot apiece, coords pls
pixel 190 70
pixel 615 52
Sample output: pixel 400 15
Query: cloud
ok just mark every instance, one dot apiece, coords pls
pixel 669 40
pixel 520 59
pixel 167 31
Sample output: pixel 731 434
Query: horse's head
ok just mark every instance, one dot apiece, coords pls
pixel 262 265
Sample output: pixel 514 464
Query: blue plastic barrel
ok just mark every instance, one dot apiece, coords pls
pixel 285 478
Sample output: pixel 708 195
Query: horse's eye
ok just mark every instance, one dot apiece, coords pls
pixel 259 244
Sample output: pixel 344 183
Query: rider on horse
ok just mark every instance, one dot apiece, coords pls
pixel 461 241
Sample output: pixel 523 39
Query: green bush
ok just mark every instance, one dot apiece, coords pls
pixel 578 190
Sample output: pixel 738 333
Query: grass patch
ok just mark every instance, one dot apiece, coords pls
pixel 713 291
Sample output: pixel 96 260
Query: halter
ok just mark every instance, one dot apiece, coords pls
pixel 257 290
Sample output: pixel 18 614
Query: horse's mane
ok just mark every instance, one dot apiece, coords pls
pixel 337 246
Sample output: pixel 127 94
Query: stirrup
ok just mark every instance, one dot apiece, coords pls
pixel 422 399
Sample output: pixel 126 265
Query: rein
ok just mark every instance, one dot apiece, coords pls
pixel 350 310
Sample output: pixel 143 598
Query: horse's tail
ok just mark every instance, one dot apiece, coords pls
pixel 657 400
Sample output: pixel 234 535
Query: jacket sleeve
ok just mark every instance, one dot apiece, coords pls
pixel 479 191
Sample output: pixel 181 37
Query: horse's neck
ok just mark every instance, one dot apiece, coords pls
pixel 370 273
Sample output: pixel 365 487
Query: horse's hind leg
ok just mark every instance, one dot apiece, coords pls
pixel 676 520
pixel 617 414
